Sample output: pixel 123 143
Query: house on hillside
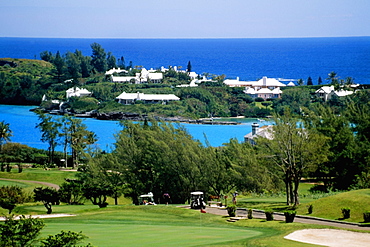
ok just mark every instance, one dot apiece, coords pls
pixel 131 98
pixel 327 92
pixel 264 131
pixel 144 76
pixel 265 88
pixel 77 92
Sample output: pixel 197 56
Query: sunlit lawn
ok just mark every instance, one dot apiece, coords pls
pixel 165 226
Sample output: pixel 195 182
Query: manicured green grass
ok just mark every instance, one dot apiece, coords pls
pixel 167 226
pixel 330 207
pixel 274 202
pixel 54 176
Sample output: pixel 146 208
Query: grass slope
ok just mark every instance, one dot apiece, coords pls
pixel 330 207
pixel 54 176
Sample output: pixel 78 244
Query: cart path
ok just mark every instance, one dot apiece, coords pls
pixel 257 214
pixel 55 186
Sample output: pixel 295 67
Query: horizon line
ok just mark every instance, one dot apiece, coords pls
pixel 291 37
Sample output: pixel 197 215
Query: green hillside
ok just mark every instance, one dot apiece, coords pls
pixel 330 207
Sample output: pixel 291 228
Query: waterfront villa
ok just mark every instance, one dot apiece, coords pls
pixel 77 92
pixel 265 88
pixel 327 92
pixel 131 98
pixel 264 131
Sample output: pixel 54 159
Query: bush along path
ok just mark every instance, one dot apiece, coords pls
pixel 260 214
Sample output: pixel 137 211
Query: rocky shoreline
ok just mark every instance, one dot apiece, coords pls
pixel 117 116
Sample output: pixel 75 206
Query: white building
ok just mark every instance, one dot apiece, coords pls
pixel 327 92
pixel 77 92
pixel 143 77
pixel 265 88
pixel 264 131
pixel 131 98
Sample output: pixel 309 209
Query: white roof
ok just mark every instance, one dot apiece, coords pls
pixel 264 131
pixel 291 84
pixel 155 76
pixel 122 78
pixel 75 91
pixel 142 96
pixel 250 90
pixel 269 82
pixel 325 89
pixel 342 93
pixel 277 91
pixel 114 70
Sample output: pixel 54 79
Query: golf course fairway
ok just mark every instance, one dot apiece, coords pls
pixel 150 226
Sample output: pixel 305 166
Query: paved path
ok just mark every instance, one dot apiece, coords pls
pixel 258 214
pixel 55 186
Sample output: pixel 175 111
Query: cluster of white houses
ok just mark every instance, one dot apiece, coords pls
pixel 144 76
pixel 265 88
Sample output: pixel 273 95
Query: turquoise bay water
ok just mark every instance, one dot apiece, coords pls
pixel 22 122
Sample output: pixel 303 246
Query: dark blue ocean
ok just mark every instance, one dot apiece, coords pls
pixel 249 59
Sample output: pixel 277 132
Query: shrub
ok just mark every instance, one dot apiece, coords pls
pixel 269 215
pixel 289 216
pixel 250 211
pixel 231 210
pixel 346 212
pixel 367 216
pixel 310 209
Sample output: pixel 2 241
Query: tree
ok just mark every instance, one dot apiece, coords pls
pixel 294 151
pixel 309 81
pixel 319 81
pixel 50 132
pixel 98 61
pixel 300 82
pixel 20 232
pixel 65 238
pixel 60 66
pixel 71 192
pixel 5 133
pixel 157 157
pixel 111 60
pixel 48 196
pixel 10 196
pixel 339 171
pixel 24 232
pixel 73 65
pixel 75 135
pixel 188 67
pixel 248 173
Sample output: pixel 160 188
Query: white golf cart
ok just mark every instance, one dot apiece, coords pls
pixel 147 199
pixel 197 201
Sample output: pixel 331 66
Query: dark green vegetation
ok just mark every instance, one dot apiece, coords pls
pixel 24 232
pixel 25 82
pixel 168 225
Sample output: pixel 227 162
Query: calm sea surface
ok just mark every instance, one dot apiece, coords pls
pixel 22 122
pixel 250 59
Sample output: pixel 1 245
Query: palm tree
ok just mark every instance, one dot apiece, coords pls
pixel 5 133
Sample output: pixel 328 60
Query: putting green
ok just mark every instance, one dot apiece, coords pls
pixel 118 234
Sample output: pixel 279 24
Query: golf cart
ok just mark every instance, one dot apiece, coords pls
pixel 147 199
pixel 197 201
